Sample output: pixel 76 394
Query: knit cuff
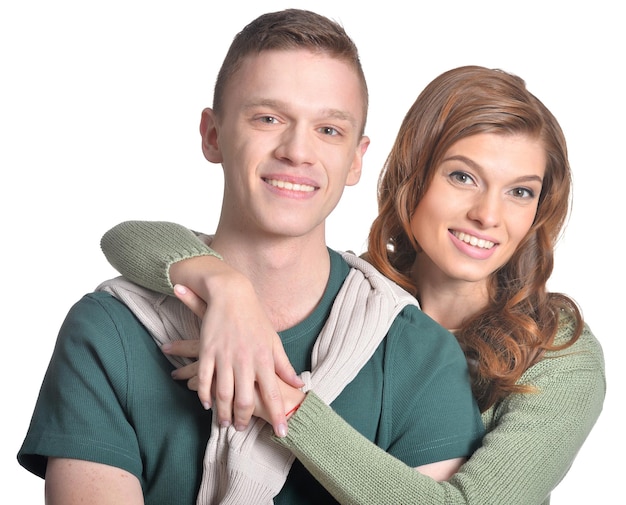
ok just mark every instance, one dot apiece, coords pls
pixel 143 251
pixel 351 467
pixel 311 411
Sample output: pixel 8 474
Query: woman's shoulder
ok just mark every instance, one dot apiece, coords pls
pixel 585 354
pixel 587 342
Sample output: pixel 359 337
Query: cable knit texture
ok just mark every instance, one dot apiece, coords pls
pixel 247 466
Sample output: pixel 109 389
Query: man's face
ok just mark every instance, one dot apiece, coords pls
pixel 289 140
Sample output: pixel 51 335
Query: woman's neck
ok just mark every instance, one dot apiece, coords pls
pixel 450 302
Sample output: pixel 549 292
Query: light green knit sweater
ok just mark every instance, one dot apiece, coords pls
pixel 531 441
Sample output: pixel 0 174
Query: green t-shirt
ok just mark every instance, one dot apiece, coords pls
pixel 108 397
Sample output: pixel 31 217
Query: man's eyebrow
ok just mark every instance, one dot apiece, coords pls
pixel 332 113
pixel 341 115
pixel 265 102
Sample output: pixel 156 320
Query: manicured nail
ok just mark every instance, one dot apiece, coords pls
pixel 281 430
pixel 206 405
pixel 181 290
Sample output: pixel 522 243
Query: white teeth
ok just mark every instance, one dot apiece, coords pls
pixel 290 185
pixel 475 241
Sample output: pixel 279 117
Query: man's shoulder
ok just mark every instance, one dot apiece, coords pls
pixel 415 335
pixel 414 321
pixel 100 312
pixel 99 302
pixel 103 325
pixel 378 281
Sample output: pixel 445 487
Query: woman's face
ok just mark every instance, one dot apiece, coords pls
pixel 480 205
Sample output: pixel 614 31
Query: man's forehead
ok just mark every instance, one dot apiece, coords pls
pixel 278 77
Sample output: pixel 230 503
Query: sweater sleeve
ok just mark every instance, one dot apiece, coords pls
pixel 143 251
pixel 531 442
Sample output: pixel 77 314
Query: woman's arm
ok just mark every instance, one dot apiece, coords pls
pixel 531 443
pixel 144 251
pixel 158 254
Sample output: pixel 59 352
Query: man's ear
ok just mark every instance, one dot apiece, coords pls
pixel 357 164
pixel 208 131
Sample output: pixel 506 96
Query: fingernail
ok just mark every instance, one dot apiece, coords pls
pixel 206 405
pixel 180 289
pixel 281 430
pixel 166 347
pixel 240 427
pixel 224 424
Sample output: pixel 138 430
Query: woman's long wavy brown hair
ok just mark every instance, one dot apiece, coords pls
pixel 521 320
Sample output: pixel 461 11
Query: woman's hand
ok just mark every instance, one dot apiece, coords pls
pixel 240 355
pixel 291 396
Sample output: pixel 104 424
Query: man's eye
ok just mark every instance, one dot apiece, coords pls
pixel 329 130
pixel 269 120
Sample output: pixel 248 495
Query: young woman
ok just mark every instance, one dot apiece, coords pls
pixel 472 200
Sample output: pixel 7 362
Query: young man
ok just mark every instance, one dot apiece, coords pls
pixel 111 426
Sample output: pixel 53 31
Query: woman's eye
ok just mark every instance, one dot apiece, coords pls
pixel 523 193
pixel 462 177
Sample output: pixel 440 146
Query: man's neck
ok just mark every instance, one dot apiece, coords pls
pixel 289 274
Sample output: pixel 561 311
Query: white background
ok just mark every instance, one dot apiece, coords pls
pixel 99 110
